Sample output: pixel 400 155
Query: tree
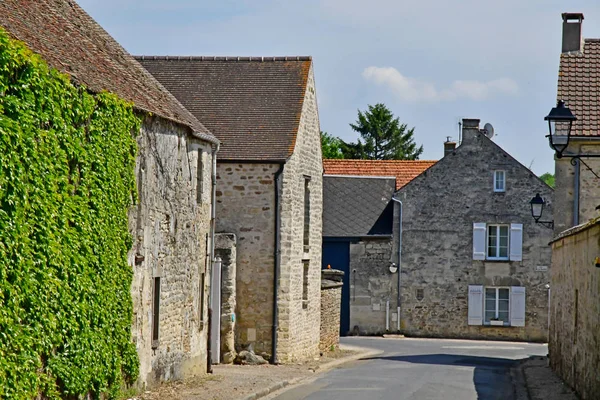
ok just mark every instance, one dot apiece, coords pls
pixel 548 178
pixel 331 146
pixel 383 137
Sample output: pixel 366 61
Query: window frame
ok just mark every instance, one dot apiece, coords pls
pixel 496 180
pixel 497 245
pixel 507 321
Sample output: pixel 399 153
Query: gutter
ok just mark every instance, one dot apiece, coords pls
pixel 213 214
pixel 398 301
pixel 277 264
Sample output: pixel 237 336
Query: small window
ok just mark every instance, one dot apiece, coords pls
pixel 306 265
pixel 200 178
pixel 497 242
pixel 155 311
pixel 499 181
pixel 201 310
pixel 497 306
pixel 306 213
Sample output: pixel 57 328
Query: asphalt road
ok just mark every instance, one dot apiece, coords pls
pixel 422 369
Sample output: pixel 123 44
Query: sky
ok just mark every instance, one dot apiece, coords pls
pixel 432 62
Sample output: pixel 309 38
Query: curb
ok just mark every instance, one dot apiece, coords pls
pixel 362 353
pixel 519 382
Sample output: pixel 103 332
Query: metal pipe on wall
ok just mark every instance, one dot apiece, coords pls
pixel 576 194
pixel 277 265
pixel 398 302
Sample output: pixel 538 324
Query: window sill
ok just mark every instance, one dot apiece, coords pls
pixel 502 260
pixel 489 325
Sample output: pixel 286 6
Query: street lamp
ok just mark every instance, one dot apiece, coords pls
pixel 560 120
pixel 537 209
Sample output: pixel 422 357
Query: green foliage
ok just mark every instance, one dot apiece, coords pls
pixel 331 146
pixel 383 137
pixel 67 160
pixel 548 178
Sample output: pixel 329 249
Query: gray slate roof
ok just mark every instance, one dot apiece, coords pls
pixel 357 206
pixel 252 104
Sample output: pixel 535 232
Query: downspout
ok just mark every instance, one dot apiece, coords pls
pixel 399 260
pixel 277 266
pixel 213 214
pixel 576 194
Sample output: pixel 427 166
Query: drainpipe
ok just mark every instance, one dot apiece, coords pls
pixel 277 266
pixel 213 214
pixel 576 194
pixel 399 260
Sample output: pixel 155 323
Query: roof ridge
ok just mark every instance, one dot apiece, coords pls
pixel 363 160
pixel 591 39
pixel 225 58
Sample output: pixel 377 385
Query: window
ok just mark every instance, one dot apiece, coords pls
pixel 306 213
pixel 497 243
pixel 497 302
pixel 201 301
pixel 155 311
pixel 499 181
pixel 306 264
pixel 491 305
pixel 200 178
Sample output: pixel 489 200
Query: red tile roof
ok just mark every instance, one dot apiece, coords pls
pixel 579 87
pixel 404 171
pixel 252 104
pixel 69 40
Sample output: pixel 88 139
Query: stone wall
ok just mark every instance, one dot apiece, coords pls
pixel 574 343
pixel 170 227
pixel 371 286
pixel 298 336
pixel 440 207
pixel 225 249
pixel 246 208
pixel 331 301
pixel 589 186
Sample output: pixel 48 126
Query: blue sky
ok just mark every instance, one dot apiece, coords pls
pixel 432 62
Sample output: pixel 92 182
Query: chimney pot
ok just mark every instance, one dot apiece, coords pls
pixel 449 146
pixel 571 39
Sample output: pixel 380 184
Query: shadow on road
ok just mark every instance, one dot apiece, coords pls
pixel 491 376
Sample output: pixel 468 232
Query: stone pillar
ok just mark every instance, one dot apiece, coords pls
pixel 331 302
pixel 225 248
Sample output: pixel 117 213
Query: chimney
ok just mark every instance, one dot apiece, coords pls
pixel 449 146
pixel 470 129
pixel 571 39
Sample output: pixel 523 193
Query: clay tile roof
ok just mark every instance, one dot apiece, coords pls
pixel 579 87
pixel 404 171
pixel 252 104
pixel 69 40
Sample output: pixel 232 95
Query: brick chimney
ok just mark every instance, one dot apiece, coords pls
pixel 449 146
pixel 571 39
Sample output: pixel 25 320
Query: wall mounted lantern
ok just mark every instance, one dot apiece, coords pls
pixel 560 121
pixel 537 209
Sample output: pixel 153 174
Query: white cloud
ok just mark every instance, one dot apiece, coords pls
pixel 412 90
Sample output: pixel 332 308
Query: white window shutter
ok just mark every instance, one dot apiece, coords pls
pixel 517 306
pixel 475 305
pixel 516 242
pixel 479 241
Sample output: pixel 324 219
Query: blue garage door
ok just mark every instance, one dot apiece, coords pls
pixel 337 254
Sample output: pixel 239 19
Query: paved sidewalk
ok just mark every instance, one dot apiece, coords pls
pixel 535 380
pixel 245 382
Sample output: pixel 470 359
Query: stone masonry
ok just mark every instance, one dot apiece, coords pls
pixel 246 207
pixel 574 341
pixel 170 226
pixel 331 301
pixel 371 286
pixel 225 249
pixel 439 209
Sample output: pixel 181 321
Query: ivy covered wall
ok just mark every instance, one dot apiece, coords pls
pixel 67 161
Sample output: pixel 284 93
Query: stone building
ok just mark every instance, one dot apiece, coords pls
pixel 474 264
pixel 575 284
pixel 269 188
pixel 170 222
pixel 358 215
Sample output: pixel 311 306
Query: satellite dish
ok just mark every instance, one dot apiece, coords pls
pixel 488 130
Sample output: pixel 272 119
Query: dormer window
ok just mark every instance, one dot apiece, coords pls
pixel 499 181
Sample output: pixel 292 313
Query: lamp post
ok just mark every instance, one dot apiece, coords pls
pixel 537 209
pixel 560 121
